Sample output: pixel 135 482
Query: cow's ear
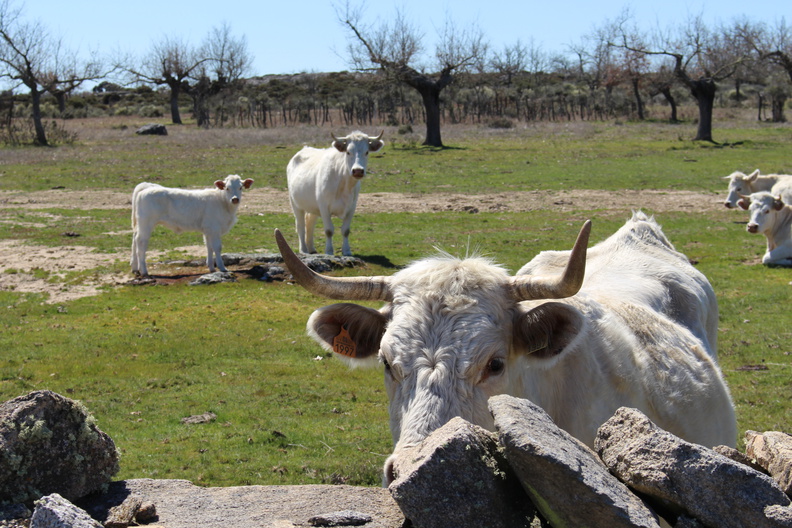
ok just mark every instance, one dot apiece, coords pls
pixel 339 145
pixel 778 203
pixel 375 145
pixel 247 183
pixel 548 331
pixel 744 203
pixel 350 331
pixel 220 184
pixel 751 177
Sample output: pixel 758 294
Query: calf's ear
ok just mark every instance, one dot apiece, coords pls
pixel 548 332
pixel 340 145
pixel 375 145
pixel 778 203
pixel 220 184
pixel 248 183
pixel 350 331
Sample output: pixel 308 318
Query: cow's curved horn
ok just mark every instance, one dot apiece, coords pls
pixel 337 138
pixel 378 137
pixel 342 288
pixel 525 288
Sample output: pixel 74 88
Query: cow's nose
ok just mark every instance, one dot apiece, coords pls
pixel 358 173
pixel 234 200
pixel 753 228
pixel 728 205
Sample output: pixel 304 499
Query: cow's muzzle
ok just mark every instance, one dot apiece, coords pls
pixel 728 205
pixel 234 200
pixel 358 173
pixel 753 228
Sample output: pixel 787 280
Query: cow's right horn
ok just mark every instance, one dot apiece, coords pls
pixel 531 287
pixel 341 288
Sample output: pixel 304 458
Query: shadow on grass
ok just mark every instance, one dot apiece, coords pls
pixel 379 260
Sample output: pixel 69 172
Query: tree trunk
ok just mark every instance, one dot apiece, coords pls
pixel 703 90
pixel 431 101
pixel 175 88
pixel 41 136
pixel 777 103
pixel 638 102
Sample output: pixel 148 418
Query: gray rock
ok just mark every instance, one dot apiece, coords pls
pixel 214 278
pixel 14 511
pixel 51 444
pixel 773 452
pixel 181 504
pixel 152 129
pixel 564 478
pixel 458 477
pixel 53 511
pixel 342 518
pixel 686 478
pixel 735 455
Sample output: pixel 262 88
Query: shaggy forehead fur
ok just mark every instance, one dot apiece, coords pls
pixel 447 305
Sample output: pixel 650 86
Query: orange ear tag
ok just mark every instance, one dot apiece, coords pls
pixel 344 344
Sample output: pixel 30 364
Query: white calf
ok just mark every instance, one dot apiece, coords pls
pixel 771 217
pixel 213 212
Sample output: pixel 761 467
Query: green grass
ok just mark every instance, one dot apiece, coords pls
pixel 143 357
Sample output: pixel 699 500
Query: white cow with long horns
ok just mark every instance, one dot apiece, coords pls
pixel 326 183
pixel 634 325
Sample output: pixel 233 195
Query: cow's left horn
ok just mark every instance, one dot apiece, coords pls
pixel 342 288
pixel 378 137
pixel 526 288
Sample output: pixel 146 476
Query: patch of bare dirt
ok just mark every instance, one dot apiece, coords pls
pixel 267 200
pixel 19 262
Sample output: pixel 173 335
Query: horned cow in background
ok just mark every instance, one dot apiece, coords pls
pixel 633 325
pixel 326 183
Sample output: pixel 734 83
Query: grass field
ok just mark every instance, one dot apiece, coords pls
pixel 143 357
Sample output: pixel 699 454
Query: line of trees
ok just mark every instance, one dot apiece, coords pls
pixel 612 72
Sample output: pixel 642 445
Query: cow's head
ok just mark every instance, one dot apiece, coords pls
pixel 452 333
pixel 762 207
pixel 357 146
pixel 233 186
pixel 739 184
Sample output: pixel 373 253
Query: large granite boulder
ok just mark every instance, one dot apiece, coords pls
pixel 459 477
pixel 51 444
pixel 564 478
pixel 688 479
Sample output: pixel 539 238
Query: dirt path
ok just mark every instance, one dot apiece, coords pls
pixel 26 268
pixel 275 201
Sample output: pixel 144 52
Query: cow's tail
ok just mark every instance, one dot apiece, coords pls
pixel 139 187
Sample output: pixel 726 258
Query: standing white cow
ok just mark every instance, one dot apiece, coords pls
pixel 741 185
pixel 326 183
pixel 771 217
pixel 634 325
pixel 213 212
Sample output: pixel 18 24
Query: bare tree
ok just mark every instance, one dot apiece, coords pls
pixel 511 61
pixel 171 62
pixel 31 57
pixel 227 60
pixel 774 47
pixel 396 48
pixel 700 60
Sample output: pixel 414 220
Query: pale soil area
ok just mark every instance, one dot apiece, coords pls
pixel 22 259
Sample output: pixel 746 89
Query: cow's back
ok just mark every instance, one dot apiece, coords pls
pixel 185 210
pixel 639 265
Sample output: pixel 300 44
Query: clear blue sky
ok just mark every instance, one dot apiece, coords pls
pixel 303 36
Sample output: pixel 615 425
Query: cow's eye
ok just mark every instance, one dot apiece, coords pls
pixel 387 365
pixel 495 367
